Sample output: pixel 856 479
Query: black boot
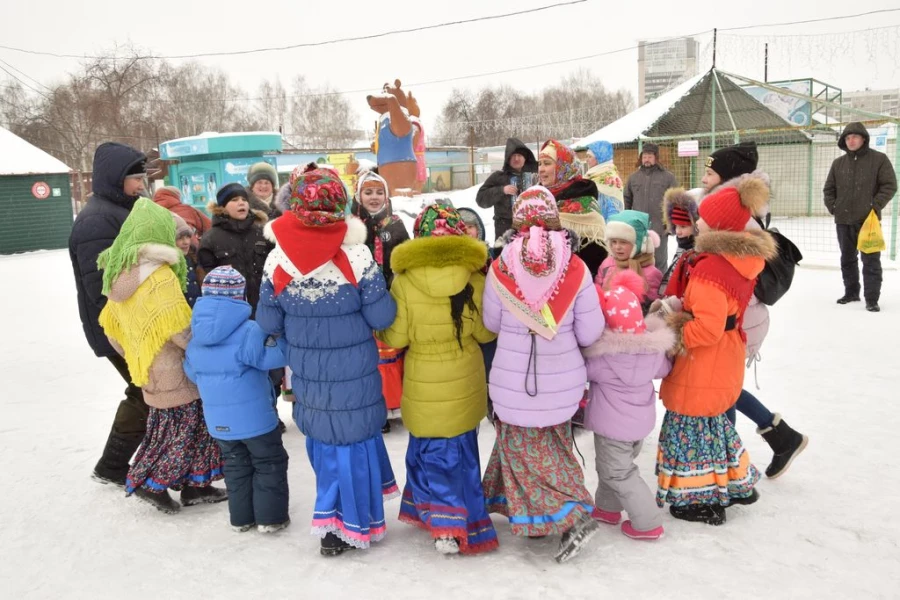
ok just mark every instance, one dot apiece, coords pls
pixel 872 306
pixel 386 428
pixel 848 298
pixel 332 545
pixel 202 495
pixel 112 468
pixel 162 501
pixel 281 426
pixel 786 444
pixel 711 514
pixel 753 497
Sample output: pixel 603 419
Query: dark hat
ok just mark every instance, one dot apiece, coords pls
pixel 137 168
pixel 734 160
pixel 229 192
pixel 650 148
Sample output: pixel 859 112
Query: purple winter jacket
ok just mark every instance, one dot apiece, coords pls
pixel 561 374
pixel 621 368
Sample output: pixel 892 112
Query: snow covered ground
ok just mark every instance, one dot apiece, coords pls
pixel 826 529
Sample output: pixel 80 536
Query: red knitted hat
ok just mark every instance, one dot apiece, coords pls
pixel 723 210
pixel 680 216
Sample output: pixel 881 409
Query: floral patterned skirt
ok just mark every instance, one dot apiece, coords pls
pixel 177 451
pixel 701 460
pixel 534 479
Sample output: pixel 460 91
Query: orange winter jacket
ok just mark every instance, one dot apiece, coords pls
pixel 707 378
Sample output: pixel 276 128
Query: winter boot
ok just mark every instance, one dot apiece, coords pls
pixel 576 538
pixel 112 468
pixel 386 428
pixel 273 527
pixel 332 545
pixel 751 499
pixel 243 528
pixel 637 534
pixel 162 501
pixel 605 516
pixel 446 545
pixel 202 495
pixel 786 444
pixel 848 298
pixel 711 514
pixel 281 426
pixel 872 306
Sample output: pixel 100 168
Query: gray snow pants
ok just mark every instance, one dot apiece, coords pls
pixel 621 486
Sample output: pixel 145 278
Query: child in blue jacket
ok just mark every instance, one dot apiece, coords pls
pixel 229 358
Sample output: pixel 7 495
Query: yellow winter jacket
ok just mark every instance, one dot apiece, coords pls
pixel 444 385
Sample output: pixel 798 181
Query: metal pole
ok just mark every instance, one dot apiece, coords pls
pixel 766 68
pixel 715 38
pixel 712 137
pixel 810 150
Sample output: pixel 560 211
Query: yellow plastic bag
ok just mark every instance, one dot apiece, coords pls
pixel 870 237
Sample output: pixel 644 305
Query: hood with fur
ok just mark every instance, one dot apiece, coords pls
pixel 439 266
pixel 657 338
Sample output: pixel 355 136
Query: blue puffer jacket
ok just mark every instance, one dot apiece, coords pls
pixel 328 324
pixel 229 357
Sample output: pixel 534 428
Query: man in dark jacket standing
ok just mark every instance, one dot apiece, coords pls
pixel 644 192
pixel 118 181
pixel 504 185
pixel 860 181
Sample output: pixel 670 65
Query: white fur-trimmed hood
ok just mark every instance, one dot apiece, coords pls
pixel 657 338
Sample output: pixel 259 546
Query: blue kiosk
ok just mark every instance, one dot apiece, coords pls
pixel 203 163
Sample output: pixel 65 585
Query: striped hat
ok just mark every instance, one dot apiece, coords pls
pixel 224 281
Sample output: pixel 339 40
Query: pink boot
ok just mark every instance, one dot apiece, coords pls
pixel 635 534
pixel 604 516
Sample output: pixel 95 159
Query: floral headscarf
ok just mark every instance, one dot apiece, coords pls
pixel 438 220
pixel 318 196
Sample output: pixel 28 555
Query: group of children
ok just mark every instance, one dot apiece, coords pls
pixel 341 286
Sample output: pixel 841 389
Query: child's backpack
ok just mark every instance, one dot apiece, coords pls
pixel 778 274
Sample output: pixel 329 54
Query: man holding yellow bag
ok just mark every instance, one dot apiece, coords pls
pixel 858 183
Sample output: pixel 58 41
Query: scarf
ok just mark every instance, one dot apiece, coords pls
pixel 715 269
pixel 148 319
pixel 545 320
pixel 606 176
pixel 537 262
pixel 309 248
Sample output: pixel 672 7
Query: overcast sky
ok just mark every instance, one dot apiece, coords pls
pixel 827 51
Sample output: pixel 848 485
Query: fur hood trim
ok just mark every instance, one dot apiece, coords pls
pixel 282 199
pixel 657 338
pixel 444 251
pixel 159 253
pixel 685 201
pixel 356 230
pixel 219 211
pixel 740 244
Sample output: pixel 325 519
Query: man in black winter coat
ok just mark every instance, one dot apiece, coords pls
pixel 644 192
pixel 502 186
pixel 860 181
pixel 118 181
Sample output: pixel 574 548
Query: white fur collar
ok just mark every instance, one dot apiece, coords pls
pixel 657 338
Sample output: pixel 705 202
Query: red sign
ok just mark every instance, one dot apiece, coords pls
pixel 40 190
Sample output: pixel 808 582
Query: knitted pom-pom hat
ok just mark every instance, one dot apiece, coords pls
pixel 633 226
pixel 224 281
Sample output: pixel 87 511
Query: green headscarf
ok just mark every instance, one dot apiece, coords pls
pixel 148 223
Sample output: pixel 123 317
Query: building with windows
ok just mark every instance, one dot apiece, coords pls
pixel 884 102
pixel 663 65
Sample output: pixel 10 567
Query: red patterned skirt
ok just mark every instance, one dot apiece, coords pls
pixel 177 451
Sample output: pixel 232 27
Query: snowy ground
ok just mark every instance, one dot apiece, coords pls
pixel 826 529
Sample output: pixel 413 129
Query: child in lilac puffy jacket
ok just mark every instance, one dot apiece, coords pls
pixel 621 366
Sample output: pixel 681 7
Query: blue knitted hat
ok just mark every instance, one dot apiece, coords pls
pixel 224 281
pixel 229 192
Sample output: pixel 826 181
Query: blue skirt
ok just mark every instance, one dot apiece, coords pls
pixel 443 492
pixel 352 483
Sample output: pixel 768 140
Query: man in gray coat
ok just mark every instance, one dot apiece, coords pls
pixel 644 192
pixel 860 181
